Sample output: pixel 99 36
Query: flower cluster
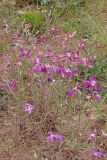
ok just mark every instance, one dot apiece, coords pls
pixel 93 88
pixel 96 153
pixel 65 65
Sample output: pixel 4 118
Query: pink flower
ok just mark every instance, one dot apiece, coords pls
pixel 12 83
pixel 28 107
pixel 92 135
pixel 42 39
pixel 20 63
pixel 37 60
pixel 61 42
pixel 87 62
pixel 54 30
pixel 82 44
pixel 52 136
pixel 49 53
pixel 15 36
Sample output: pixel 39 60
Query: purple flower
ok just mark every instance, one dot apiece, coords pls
pixel 50 78
pixel 76 71
pixel 28 55
pixel 12 83
pixel 40 68
pixel 68 72
pixel 25 53
pixel 37 69
pixel 52 136
pixel 50 73
pixel 59 137
pixel 97 97
pixel 86 83
pixel 28 107
pixel 44 69
pixel 72 91
pixel 88 154
pixel 96 88
pixel 91 82
pixel 15 36
pixel 98 153
pixel 22 53
pixel 60 70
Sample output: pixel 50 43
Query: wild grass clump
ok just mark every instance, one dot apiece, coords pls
pixel 33 18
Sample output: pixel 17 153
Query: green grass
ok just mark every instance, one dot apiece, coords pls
pixel 35 18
